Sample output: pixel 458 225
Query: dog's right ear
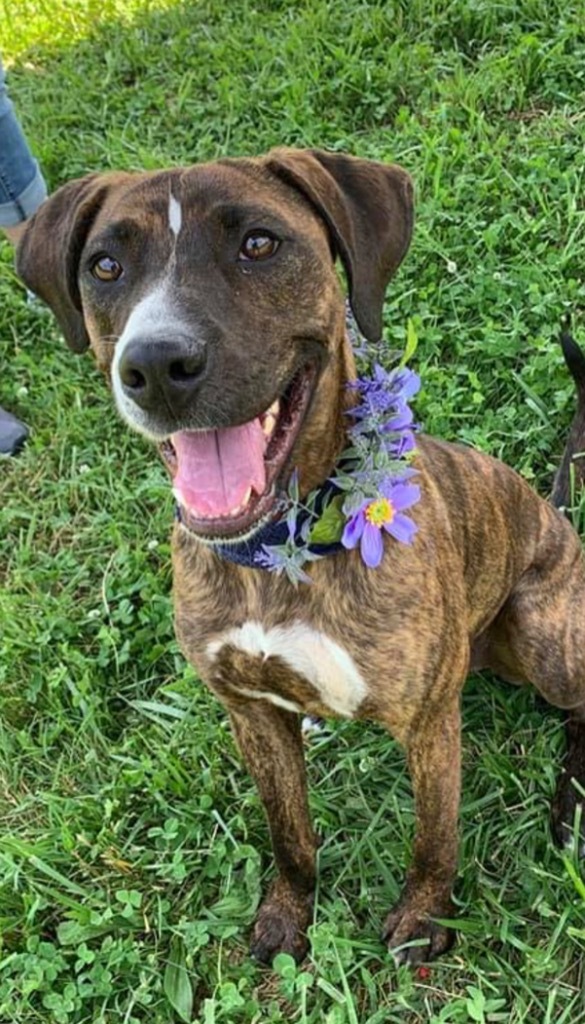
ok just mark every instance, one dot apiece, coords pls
pixel 48 255
pixel 368 208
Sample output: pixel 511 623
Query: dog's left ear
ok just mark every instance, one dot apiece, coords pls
pixel 48 255
pixel 368 208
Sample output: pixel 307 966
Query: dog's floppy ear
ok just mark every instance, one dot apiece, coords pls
pixel 48 255
pixel 369 210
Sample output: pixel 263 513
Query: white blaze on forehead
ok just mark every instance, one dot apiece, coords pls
pixel 312 654
pixel 175 215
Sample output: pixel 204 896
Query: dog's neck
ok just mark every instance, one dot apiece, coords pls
pixel 325 434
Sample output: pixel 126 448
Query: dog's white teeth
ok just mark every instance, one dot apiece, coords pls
pixel 268 424
pixel 236 510
pixel 270 417
pixel 243 503
pixel 240 508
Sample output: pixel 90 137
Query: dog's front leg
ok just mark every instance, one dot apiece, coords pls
pixel 434 758
pixel 270 741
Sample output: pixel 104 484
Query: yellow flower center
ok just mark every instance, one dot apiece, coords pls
pixel 380 512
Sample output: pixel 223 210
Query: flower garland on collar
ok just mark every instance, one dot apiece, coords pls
pixel 371 487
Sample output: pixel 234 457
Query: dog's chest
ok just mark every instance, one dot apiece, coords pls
pixel 294 666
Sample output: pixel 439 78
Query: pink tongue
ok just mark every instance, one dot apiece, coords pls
pixel 217 467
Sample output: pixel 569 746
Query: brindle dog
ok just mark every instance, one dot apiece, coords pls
pixel 210 298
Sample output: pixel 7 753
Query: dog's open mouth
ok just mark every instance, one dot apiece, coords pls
pixel 226 480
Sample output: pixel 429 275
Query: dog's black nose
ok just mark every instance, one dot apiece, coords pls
pixel 155 372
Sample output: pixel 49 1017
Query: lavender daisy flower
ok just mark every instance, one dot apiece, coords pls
pixel 385 513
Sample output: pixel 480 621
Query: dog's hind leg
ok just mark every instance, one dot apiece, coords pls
pixel 271 744
pixel 539 637
pixel 568 801
pixel 571 475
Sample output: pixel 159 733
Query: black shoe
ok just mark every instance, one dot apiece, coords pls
pixel 13 433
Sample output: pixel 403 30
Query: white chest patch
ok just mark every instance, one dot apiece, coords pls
pixel 313 655
pixel 175 215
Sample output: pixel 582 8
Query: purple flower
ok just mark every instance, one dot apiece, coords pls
pixel 365 526
pixel 287 559
pixel 406 382
pixel 383 391
pixel 372 475
pixel 383 412
pixel 403 418
pixel 272 558
pixel 400 446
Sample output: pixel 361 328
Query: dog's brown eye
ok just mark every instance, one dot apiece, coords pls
pixel 258 246
pixel 106 269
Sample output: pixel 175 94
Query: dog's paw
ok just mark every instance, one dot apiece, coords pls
pixel 568 805
pixel 409 923
pixel 281 925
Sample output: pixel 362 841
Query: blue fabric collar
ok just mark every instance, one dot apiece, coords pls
pixel 276 532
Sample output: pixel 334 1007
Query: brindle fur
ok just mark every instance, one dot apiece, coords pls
pixel 495 578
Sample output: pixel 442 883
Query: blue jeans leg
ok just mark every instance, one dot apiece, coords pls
pixel 22 186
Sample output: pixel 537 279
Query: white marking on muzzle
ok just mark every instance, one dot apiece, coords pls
pixel 155 314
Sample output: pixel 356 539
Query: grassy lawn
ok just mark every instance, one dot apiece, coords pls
pixel 133 848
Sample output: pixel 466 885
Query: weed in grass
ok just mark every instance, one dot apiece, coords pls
pixel 134 849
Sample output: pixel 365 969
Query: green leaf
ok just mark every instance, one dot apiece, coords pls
pixel 177 984
pixel 574 876
pixel 329 526
pixel 285 965
pixel 209 1011
pixel 411 342
pixel 475 1005
pixel 130 897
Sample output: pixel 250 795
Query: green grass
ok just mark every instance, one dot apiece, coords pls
pixel 133 848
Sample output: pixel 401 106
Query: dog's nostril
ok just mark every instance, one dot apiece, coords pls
pixel 153 369
pixel 133 379
pixel 185 369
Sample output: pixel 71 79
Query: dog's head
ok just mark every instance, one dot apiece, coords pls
pixel 210 298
